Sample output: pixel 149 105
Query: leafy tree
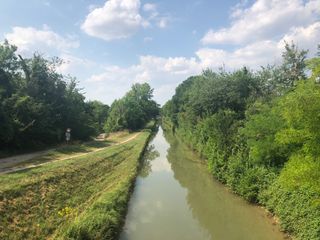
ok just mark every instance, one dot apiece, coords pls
pixel 116 120
pixel 99 112
pixel 293 65
pixel 37 103
pixel 134 110
pixel 300 109
pixel 262 125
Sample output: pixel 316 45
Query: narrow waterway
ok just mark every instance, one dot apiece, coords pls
pixel 176 198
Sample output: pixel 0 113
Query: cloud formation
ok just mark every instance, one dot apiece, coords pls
pixel 120 19
pixel 117 19
pixel 265 19
pixel 163 74
pixel 44 40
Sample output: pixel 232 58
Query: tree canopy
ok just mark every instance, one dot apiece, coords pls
pixel 134 110
pixel 37 104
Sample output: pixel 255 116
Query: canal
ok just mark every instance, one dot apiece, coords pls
pixel 175 197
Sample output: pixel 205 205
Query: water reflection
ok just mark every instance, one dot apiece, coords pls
pixel 220 212
pixel 150 154
pixel 176 198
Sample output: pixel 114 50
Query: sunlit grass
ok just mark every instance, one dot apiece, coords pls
pixel 76 149
pixel 80 196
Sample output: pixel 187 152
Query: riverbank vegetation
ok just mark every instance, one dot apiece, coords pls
pixel 259 132
pixel 83 197
pixel 38 104
pixel 82 190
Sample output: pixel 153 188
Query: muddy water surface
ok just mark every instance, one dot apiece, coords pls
pixel 176 198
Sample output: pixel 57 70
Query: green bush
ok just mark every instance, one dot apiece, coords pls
pixel 295 197
pixel 253 182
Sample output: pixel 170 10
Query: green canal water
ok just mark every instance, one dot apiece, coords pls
pixel 175 197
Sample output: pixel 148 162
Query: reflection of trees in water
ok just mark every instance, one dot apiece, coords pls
pixel 210 204
pixel 190 175
pixel 148 157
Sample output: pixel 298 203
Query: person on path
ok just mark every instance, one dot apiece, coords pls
pixel 68 135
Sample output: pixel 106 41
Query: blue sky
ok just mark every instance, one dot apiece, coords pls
pixel 109 45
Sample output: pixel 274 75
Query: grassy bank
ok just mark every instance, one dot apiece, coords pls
pixel 83 197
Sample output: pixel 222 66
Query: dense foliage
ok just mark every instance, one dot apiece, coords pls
pixel 37 104
pixel 260 134
pixel 134 110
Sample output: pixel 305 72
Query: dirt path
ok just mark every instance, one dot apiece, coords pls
pixel 6 162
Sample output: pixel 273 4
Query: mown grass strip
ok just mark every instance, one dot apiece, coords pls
pixel 66 151
pixel 59 198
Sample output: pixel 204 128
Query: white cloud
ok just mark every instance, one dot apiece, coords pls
pixel 264 52
pixel 306 37
pixel 117 19
pixel 253 56
pixel 151 11
pixel 163 22
pixel 265 19
pixel 158 72
pixel 150 7
pixel 29 40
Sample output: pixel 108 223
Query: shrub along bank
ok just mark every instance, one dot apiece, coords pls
pixel 260 134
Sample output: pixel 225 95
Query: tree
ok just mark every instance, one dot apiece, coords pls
pixel 37 103
pixel 116 119
pixel 134 110
pixel 99 112
pixel 300 110
pixel 293 65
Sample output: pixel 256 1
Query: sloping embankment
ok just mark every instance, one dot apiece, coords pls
pixel 79 198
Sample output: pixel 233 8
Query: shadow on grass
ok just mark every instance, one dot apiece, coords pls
pixel 63 152
pixel 82 148
pixel 22 171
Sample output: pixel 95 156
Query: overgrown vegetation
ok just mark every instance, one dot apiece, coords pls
pixel 260 134
pixel 79 198
pixel 37 104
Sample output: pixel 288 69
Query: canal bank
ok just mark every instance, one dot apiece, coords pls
pixel 176 198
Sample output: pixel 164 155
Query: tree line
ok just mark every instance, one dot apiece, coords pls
pixel 134 110
pixel 259 132
pixel 38 104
